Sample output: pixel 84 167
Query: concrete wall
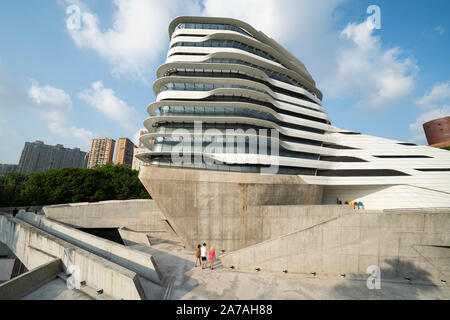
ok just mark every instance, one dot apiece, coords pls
pixel 403 244
pixel 212 207
pixel 6 268
pixel 23 284
pixel 4 251
pixel 10 210
pixel 131 237
pixel 138 215
pixel 35 247
pixel 377 197
pixel 268 222
pixel 142 263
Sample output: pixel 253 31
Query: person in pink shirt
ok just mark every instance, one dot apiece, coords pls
pixel 212 256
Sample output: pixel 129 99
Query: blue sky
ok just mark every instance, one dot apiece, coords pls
pixel 68 86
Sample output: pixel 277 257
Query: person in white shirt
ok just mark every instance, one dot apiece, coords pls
pixel 203 255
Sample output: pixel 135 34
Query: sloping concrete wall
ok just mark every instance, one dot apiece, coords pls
pixel 403 244
pixel 6 268
pixel 138 215
pixel 212 206
pixel 131 238
pixel 35 247
pixel 142 263
pixel 23 284
pixel 269 222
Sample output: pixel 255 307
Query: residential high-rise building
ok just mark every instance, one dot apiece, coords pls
pixel 7 168
pixel 231 105
pixel 38 157
pixel 438 132
pixel 141 133
pixel 137 163
pixel 124 152
pixel 101 153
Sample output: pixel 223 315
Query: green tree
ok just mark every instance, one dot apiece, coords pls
pixel 70 185
pixel 10 186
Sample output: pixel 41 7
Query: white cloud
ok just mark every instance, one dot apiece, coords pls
pixel 71 132
pixel 439 93
pixel 105 101
pixel 55 105
pixel 137 38
pixel 435 104
pixel 52 103
pixel 363 68
pixel 352 63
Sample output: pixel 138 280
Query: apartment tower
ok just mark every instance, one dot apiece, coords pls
pixel 39 157
pixel 124 152
pixel 101 153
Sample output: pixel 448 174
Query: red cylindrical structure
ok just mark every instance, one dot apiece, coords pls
pixel 438 131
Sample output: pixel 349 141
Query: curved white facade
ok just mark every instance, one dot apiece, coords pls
pixel 227 75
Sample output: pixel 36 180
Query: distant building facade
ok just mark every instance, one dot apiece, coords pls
pixel 39 157
pixel 438 132
pixel 124 152
pixel 137 163
pixel 101 153
pixel 7 168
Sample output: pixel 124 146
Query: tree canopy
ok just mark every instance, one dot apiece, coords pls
pixel 71 185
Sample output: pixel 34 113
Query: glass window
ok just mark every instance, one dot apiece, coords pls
pixel 179 86
pixel 199 86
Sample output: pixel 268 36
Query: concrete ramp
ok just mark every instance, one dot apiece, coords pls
pixel 409 245
pixel 142 263
pixel 35 247
pixel 131 238
pixel 21 285
pixel 137 215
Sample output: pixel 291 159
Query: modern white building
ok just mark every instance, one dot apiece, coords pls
pixel 222 74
